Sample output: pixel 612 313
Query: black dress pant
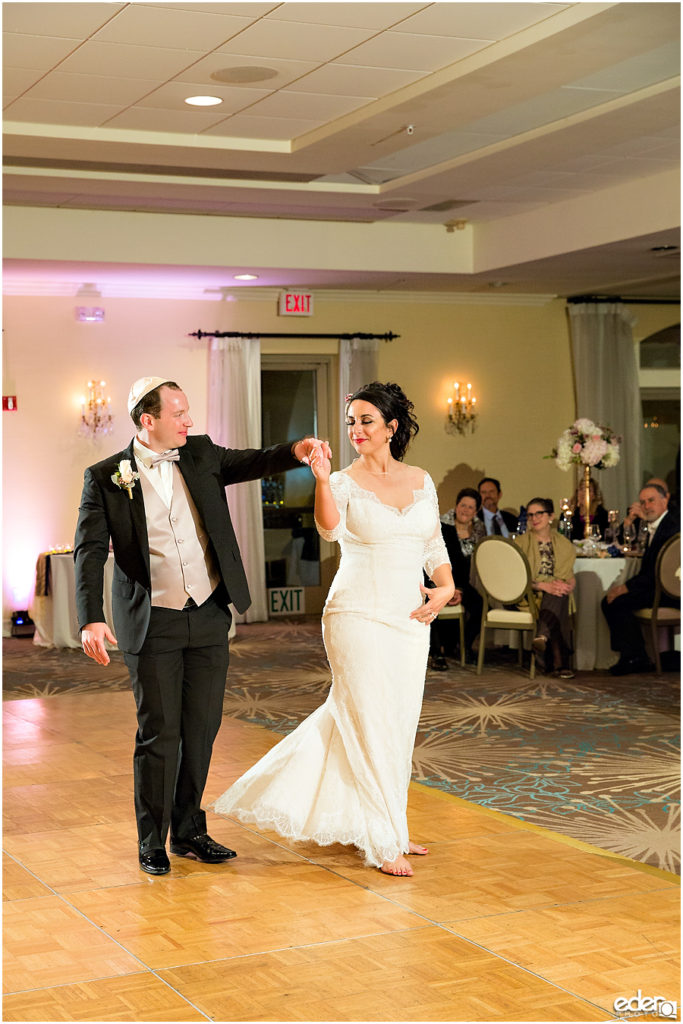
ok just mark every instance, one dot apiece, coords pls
pixel 625 630
pixel 178 680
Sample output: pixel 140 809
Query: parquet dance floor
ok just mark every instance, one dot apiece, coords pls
pixel 503 921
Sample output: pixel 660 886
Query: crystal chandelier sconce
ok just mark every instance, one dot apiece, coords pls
pixel 96 417
pixel 461 415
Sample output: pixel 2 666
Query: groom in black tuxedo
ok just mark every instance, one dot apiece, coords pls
pixel 162 504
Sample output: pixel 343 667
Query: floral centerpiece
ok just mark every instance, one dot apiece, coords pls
pixel 586 444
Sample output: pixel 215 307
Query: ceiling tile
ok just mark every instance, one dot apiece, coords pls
pixel 90 88
pixel 413 53
pixel 249 127
pixel 478 20
pixel 287 70
pixel 131 60
pixel 172 96
pixel 307 105
pixel 53 112
pixel 157 120
pixel 39 52
pixel 295 40
pixel 76 21
pixel 15 81
pixel 637 72
pixel 246 10
pixel 355 81
pixel 149 26
pixel 351 15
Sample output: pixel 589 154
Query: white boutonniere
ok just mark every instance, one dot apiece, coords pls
pixel 125 477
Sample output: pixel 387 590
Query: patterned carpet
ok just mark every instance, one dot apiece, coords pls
pixel 596 758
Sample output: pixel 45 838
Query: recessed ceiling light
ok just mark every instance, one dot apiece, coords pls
pixel 203 101
pixel 246 277
pixel 250 73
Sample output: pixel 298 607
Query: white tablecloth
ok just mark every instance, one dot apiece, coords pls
pixel 55 615
pixel 594 577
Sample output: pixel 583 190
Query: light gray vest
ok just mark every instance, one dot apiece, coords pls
pixel 180 559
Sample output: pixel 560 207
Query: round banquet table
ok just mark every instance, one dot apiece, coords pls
pixel 55 614
pixel 594 577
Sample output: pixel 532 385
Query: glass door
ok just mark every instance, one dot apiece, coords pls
pixel 295 402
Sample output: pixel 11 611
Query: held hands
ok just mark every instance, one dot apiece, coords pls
pixel 320 464
pixel 309 448
pixel 617 591
pixel 436 597
pixel 93 636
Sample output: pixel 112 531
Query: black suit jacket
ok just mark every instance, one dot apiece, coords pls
pixel 508 518
pixel 642 586
pixel 106 512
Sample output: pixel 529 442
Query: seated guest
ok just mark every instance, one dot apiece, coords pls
pixel 599 515
pixel 633 518
pixel 551 560
pixel 621 600
pixel 460 538
pixel 494 519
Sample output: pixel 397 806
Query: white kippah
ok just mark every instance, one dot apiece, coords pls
pixel 142 387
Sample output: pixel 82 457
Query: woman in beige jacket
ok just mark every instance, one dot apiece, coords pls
pixel 551 559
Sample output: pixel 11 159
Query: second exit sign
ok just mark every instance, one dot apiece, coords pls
pixel 296 304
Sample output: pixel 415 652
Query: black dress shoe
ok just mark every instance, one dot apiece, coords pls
pixel 154 862
pixel 203 847
pixel 438 663
pixel 630 666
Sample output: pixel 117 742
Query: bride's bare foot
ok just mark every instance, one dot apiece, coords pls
pixel 417 848
pixel 400 866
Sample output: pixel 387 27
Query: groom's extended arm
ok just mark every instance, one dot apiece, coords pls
pixel 238 465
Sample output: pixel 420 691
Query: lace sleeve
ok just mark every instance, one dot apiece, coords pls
pixel 340 494
pixel 435 553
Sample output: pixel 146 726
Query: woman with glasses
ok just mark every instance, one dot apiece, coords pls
pixel 551 559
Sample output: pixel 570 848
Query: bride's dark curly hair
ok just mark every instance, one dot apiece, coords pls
pixel 392 403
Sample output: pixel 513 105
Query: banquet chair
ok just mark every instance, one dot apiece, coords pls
pixel 667 583
pixel 505 577
pixel 456 611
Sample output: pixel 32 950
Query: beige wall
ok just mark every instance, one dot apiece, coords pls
pixel 516 356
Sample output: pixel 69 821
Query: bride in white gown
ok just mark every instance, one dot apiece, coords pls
pixel 342 776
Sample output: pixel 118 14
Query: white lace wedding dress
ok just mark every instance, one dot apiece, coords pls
pixel 342 776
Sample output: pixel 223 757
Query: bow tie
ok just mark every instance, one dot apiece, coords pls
pixel 170 456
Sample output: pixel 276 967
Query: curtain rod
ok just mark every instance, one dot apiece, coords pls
pixel 626 301
pixel 389 336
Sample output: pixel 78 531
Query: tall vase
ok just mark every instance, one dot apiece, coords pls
pixel 587 500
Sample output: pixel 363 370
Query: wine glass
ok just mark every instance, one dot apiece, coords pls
pixel 629 533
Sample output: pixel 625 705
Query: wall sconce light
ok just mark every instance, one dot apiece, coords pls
pixel 89 314
pixel 461 414
pixel 96 417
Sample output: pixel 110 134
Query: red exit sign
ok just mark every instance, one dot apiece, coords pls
pixel 296 304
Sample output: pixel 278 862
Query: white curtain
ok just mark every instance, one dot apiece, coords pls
pixel 358 362
pixel 234 421
pixel 607 389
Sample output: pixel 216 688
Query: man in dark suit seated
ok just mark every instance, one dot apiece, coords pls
pixel 622 600
pixel 496 521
